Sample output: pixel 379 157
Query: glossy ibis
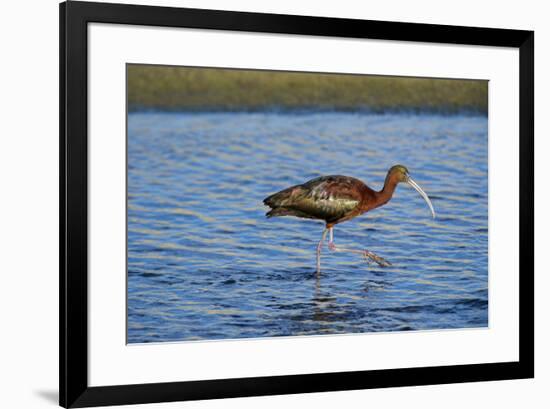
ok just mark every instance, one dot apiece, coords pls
pixel 336 199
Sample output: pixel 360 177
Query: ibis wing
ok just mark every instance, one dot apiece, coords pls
pixel 328 197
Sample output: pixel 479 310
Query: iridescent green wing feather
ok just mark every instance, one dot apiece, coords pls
pixel 327 197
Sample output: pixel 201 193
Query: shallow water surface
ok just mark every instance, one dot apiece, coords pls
pixel 205 263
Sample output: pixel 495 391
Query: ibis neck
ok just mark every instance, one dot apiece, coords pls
pixel 386 193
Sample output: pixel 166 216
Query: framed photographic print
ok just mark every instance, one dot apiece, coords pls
pixel 256 204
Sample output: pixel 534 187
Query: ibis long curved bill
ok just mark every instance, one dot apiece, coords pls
pixel 411 182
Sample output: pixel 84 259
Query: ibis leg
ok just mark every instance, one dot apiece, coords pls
pixel 331 244
pixel 319 247
pixel 369 255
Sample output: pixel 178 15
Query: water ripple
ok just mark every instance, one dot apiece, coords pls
pixel 205 263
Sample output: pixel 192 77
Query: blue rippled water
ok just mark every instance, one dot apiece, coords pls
pixel 205 263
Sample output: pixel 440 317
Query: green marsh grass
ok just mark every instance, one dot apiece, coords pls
pixel 166 88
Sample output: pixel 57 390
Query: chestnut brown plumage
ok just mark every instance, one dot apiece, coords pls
pixel 336 199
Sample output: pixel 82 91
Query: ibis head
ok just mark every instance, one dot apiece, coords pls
pixel 400 174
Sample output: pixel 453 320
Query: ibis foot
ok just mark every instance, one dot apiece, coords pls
pixel 370 256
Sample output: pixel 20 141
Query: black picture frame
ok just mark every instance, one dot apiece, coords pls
pixel 73 349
